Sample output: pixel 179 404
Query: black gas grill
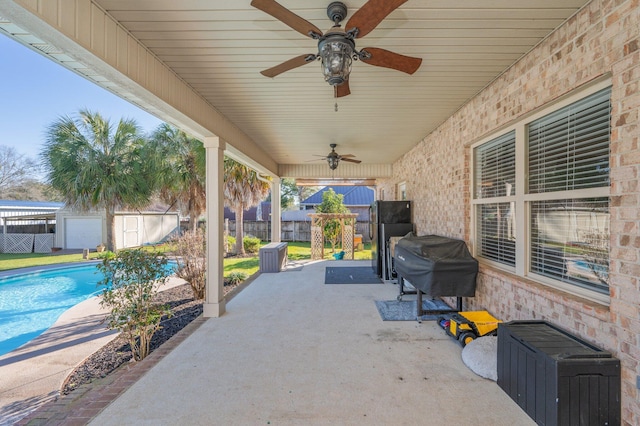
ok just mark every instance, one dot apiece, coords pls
pixel 436 266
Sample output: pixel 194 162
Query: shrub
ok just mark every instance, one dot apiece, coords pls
pixel 251 244
pixel 131 279
pixel 106 255
pixel 236 277
pixel 231 243
pixel 190 250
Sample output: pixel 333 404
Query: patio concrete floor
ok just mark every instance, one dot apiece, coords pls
pixel 291 350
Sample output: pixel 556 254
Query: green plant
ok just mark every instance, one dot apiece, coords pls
pixel 251 244
pixel 236 277
pixel 108 255
pixel 182 165
pixel 332 203
pixel 231 243
pixel 96 164
pixel 131 280
pixel 243 189
pixel 190 250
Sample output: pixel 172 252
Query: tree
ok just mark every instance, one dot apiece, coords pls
pixel 305 192
pixel 182 166
pixel 97 166
pixel 132 278
pixel 288 193
pixel 15 170
pixel 32 190
pixel 332 203
pixel 242 190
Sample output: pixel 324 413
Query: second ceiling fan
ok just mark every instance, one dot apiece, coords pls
pixel 333 158
pixel 336 47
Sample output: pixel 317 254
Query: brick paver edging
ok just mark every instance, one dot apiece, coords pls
pixel 86 402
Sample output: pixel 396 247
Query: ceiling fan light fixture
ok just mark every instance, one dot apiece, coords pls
pixel 333 158
pixel 333 162
pixel 336 52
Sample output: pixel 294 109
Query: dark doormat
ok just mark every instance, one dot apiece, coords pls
pixel 405 310
pixel 351 275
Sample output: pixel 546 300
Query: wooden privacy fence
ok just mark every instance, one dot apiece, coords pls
pixel 290 230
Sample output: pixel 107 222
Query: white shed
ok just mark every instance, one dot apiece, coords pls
pixel 75 230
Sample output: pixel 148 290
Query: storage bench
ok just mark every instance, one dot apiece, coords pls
pixel 556 378
pixel 273 257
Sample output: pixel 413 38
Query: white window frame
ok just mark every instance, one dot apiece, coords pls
pixel 522 199
pixel 402 191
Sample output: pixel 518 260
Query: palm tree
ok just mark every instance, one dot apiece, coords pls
pixel 242 190
pixel 96 165
pixel 182 170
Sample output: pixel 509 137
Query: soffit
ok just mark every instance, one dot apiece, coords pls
pixel 219 47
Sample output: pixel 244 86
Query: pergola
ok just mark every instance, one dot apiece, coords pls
pixel 347 231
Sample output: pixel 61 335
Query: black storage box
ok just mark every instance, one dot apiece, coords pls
pixel 556 378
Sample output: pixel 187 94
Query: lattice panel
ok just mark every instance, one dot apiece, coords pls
pixel 1 243
pixel 42 243
pixel 347 241
pixel 18 243
pixel 317 243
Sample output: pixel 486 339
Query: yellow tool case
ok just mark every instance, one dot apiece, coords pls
pixel 467 326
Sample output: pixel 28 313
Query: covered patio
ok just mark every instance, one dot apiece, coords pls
pixel 471 138
pixel 294 350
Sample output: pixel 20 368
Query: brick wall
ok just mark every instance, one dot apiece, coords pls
pixel 603 39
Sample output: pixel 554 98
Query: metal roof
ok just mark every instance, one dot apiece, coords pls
pixel 27 205
pixel 353 195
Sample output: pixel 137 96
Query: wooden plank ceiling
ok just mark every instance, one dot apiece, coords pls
pixel 219 48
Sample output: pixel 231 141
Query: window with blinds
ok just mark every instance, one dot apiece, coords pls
pixel 551 174
pixel 495 175
pixel 570 241
pixel 569 151
pixel 496 167
pixel 569 148
pixel 496 232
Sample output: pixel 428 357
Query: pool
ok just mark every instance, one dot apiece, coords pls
pixel 30 303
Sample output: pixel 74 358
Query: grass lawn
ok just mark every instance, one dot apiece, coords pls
pixel 302 251
pixel 246 265
pixel 296 251
pixel 24 260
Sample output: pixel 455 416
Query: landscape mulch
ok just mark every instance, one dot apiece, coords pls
pixel 118 352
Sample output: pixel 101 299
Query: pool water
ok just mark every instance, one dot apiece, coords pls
pixel 31 303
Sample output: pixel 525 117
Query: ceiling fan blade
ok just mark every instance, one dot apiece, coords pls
pixel 296 62
pixel 395 61
pixel 351 160
pixel 286 16
pixel 342 90
pixel 347 155
pixel 371 14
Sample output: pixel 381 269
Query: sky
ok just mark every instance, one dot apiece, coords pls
pixel 35 92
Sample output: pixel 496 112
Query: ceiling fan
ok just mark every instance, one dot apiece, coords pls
pixel 333 158
pixel 337 48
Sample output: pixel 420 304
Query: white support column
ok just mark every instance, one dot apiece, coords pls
pixel 214 304
pixel 276 216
